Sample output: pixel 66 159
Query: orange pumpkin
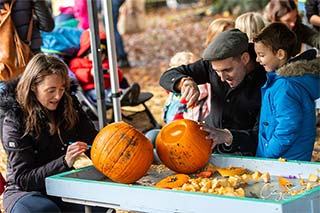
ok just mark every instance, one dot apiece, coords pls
pixel 122 153
pixel 231 171
pixel 182 146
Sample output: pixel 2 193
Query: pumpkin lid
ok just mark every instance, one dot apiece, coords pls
pixel 173 181
pixel 231 171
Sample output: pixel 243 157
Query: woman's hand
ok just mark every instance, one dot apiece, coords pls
pixel 73 151
pixel 218 136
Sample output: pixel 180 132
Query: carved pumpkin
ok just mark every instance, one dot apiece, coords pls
pixel 122 153
pixel 182 146
pixel 173 181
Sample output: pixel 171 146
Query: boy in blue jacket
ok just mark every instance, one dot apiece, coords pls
pixel 287 127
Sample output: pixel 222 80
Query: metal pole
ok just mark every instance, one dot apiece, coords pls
pixel 114 78
pixel 97 63
pixel 87 209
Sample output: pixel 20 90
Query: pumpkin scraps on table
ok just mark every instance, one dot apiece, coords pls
pixel 232 181
pixel 173 181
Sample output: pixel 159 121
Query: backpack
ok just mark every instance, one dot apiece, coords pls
pixel 14 53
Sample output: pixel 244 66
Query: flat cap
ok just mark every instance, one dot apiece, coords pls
pixel 227 44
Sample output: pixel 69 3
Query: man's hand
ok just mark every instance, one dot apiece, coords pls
pixel 218 136
pixel 189 91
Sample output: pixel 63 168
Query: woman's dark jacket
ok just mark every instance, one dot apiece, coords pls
pixel 31 160
pixel 236 109
pixel 313 8
pixel 21 15
pixel 306 35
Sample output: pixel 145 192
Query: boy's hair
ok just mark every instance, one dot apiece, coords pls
pixel 278 36
pixel 250 23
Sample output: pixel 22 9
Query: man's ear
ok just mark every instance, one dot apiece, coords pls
pixel 245 57
pixel 281 54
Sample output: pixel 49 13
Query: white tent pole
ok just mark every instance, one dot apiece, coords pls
pixel 97 65
pixel 112 56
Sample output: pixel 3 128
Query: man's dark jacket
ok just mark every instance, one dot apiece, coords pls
pixel 235 109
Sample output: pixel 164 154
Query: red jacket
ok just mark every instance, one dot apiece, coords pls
pixel 81 67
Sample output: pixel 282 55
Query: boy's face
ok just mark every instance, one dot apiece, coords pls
pixel 266 57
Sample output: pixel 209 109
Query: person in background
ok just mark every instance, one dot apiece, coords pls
pixel 38 10
pixel 174 108
pixel 217 26
pixel 81 14
pixel 313 13
pixel 40 119
pixel 250 23
pixel 286 11
pixel 287 121
pixel 229 65
pixel 23 11
pixel 122 57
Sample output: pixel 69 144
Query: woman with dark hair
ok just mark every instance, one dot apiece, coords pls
pixel 39 118
pixel 286 11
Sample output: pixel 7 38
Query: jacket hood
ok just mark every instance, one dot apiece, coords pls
pixel 305 74
pixel 9 104
pixel 300 68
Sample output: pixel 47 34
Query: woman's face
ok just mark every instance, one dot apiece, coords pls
pixel 290 19
pixel 50 91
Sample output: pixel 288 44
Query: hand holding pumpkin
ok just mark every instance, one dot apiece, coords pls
pixel 218 136
pixel 73 151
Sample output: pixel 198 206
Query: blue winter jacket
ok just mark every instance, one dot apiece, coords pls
pixel 287 127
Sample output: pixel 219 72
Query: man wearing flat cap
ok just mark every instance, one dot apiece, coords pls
pixel 229 65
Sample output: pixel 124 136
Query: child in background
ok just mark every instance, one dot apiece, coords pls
pixel 82 67
pixel 287 121
pixel 217 26
pixel 175 108
pixel 251 23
